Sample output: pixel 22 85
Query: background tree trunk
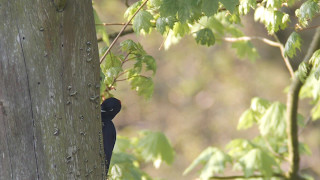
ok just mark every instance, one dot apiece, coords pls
pixel 49 91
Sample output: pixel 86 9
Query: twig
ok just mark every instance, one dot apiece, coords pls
pixel 308 28
pixel 244 177
pixel 123 28
pixel 247 38
pixel 267 41
pixel 286 60
pixel 112 24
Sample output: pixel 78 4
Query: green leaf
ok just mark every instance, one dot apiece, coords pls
pixel 130 46
pixel 230 5
pixel 302 72
pixel 293 43
pixel 164 22
pixel 205 37
pixel 155 146
pixel 316 112
pixel 274 3
pixel 210 7
pixel 214 161
pixel 307 11
pixel 239 147
pixel 272 19
pixel 142 21
pixel 245 49
pixel 315 61
pixel 100 28
pixel 304 149
pixel 245 5
pixel 259 105
pixel 257 160
pixel 247 119
pixel 111 67
pixel 273 122
pixel 150 63
pixel 132 9
pixel 123 168
pixel 122 144
pixel 180 29
pixel 169 8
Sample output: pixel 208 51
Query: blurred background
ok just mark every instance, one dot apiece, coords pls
pixel 200 93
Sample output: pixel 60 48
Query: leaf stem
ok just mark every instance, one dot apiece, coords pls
pixel 123 28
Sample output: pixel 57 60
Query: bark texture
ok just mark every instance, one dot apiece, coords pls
pixel 49 91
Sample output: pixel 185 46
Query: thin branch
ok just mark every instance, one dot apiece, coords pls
pixel 112 24
pixel 308 28
pixel 267 41
pixel 247 38
pixel 292 113
pixel 123 28
pixel 244 177
pixel 122 79
pixel 286 60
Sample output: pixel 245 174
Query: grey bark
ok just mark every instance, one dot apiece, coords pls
pixel 49 91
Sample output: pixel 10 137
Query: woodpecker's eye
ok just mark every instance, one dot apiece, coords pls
pixel 110 109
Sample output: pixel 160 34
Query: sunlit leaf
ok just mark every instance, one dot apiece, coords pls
pixel 180 29
pixel 245 5
pixel 307 11
pixel 272 19
pixel 302 72
pixel 273 122
pixel 247 119
pixel 315 61
pixel 259 105
pixel 257 159
pixel 316 112
pixel 132 9
pixel 294 42
pixel 214 161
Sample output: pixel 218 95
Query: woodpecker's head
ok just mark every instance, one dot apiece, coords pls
pixel 110 108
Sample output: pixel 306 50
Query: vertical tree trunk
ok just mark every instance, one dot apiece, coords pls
pixel 49 91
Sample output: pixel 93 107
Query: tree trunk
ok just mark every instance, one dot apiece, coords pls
pixel 49 91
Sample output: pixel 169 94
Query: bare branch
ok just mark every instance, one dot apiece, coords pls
pixel 286 59
pixel 247 38
pixel 112 24
pixel 123 28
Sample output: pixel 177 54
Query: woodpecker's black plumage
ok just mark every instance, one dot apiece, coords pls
pixel 109 109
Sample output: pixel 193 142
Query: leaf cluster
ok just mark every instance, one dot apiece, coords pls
pixel 130 153
pixel 139 64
